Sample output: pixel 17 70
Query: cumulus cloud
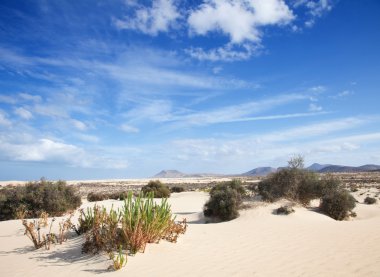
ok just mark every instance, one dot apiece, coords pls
pixel 240 20
pixel 160 17
pixel 57 152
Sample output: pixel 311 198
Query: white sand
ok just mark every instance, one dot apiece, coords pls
pixel 258 243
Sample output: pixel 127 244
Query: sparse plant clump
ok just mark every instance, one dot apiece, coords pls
pixel 338 204
pixel 287 209
pixel 177 189
pixel 30 200
pixel 34 231
pixel 225 201
pixel 158 189
pixel 138 222
pixel 370 200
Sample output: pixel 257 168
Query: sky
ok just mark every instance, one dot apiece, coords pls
pixel 124 89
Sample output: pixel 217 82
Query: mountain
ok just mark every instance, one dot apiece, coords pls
pixel 170 174
pixel 177 174
pixel 341 168
pixel 260 171
pixel 317 167
pixel 369 167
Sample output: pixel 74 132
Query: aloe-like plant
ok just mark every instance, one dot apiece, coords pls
pixel 119 260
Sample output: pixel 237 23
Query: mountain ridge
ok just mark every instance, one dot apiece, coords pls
pixel 265 170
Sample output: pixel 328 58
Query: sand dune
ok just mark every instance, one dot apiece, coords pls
pixel 258 243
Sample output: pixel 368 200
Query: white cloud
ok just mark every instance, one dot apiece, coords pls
pixel 160 17
pixel 42 150
pixel 315 108
pixel 56 152
pixel 23 113
pixel 318 129
pixel 79 125
pixel 315 9
pixel 236 113
pixel 129 129
pixel 4 121
pixel 7 99
pixel 227 52
pixel 30 97
pixel 342 94
pixel 239 19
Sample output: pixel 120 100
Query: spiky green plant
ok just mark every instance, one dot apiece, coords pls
pixel 119 260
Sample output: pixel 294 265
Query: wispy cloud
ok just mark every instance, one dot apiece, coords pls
pixel 159 17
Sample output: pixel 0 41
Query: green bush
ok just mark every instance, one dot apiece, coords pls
pixel 370 200
pixel 159 189
pixel 177 189
pixel 337 204
pixel 55 198
pixel 225 201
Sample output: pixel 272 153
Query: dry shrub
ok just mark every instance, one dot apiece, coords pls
pixel 225 201
pixel 338 204
pixel 177 189
pixel 34 230
pixel 100 196
pixel 158 189
pixel 370 200
pixel 287 209
pixel 28 201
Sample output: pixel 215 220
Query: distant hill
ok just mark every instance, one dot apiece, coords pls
pixel 260 171
pixel 341 168
pixel 177 174
pixel 170 174
pixel 317 167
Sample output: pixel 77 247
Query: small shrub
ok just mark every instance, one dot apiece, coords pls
pixel 177 189
pixel 120 195
pixel 225 201
pixel 285 210
pixel 96 196
pixel 370 200
pixel 337 204
pixel 158 189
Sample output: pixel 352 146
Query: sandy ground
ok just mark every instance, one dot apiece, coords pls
pixel 258 243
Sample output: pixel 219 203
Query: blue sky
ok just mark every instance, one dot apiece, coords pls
pixel 121 89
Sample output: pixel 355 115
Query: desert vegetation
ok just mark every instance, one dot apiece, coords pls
pixel 100 196
pixel 29 201
pixel 117 232
pixel 301 186
pixel 286 209
pixel 177 189
pixel 225 200
pixel 337 204
pixel 370 200
pixel 158 189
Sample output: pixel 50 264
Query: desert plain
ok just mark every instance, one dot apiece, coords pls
pixel 257 243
